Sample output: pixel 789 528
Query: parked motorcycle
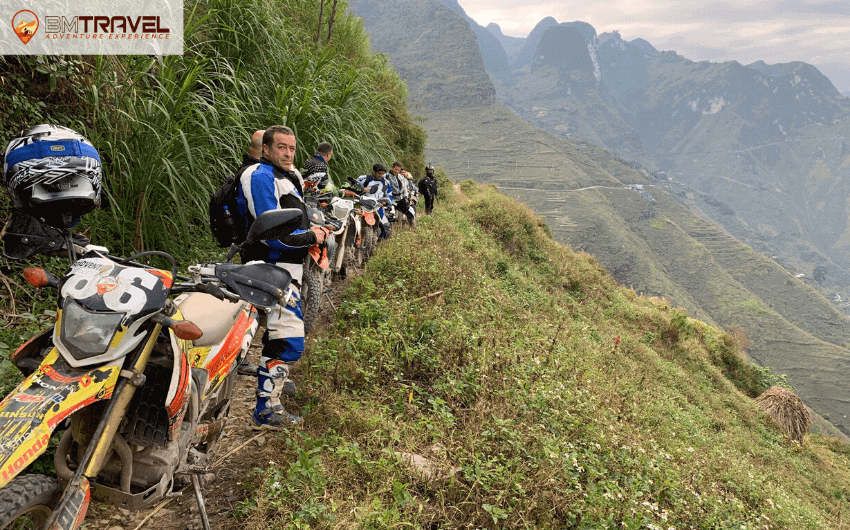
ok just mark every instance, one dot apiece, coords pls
pixel 144 381
pixel 345 255
pixel 317 273
pixel 376 201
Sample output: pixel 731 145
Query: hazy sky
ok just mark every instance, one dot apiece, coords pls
pixel 816 32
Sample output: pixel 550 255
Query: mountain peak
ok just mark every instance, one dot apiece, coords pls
pixel 564 47
pixel 643 45
pixel 494 29
pixel 587 31
pixel 795 68
pixel 545 24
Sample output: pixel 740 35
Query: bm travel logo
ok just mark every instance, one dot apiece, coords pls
pixel 25 24
pixel 104 27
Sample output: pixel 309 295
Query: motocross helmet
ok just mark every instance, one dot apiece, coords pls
pixel 429 169
pixel 53 173
pixel 326 185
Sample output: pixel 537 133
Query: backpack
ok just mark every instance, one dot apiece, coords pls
pixel 227 224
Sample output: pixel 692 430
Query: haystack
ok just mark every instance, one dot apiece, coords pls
pixel 787 409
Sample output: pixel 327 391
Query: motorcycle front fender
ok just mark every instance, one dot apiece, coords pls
pixel 369 217
pixel 319 254
pixel 31 412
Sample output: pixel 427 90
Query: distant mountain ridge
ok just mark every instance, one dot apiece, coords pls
pixel 767 141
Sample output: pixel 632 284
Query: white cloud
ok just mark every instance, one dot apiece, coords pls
pixel 841 29
pixel 759 30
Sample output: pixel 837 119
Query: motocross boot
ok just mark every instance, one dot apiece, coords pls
pixel 269 412
pixel 274 349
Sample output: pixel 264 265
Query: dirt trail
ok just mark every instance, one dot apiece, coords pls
pixel 225 491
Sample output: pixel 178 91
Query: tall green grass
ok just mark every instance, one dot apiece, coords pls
pixel 170 128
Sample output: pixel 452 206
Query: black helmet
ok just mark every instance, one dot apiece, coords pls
pixel 429 168
pixel 378 167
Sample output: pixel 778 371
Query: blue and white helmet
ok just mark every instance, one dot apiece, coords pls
pixel 53 172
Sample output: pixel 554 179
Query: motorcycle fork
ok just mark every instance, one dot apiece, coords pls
pixel 70 511
pixel 340 253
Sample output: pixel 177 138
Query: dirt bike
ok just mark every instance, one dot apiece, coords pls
pixel 143 381
pixel 317 263
pixel 345 255
pixel 376 202
pixel 409 219
pixel 367 209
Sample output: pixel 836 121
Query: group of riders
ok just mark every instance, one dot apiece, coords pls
pixel 268 180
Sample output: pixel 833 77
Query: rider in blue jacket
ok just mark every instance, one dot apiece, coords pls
pixel 273 184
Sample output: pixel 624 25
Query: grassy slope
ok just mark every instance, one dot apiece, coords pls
pixel 560 398
pixel 657 248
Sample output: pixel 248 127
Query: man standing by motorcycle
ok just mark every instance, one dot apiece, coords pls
pixel 401 195
pixel 428 188
pixel 318 163
pixel 385 191
pixel 275 184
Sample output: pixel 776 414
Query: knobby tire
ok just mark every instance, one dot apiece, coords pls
pixel 311 295
pixel 28 501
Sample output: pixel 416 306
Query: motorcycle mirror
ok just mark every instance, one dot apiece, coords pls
pixel 187 330
pixel 274 224
pixel 270 225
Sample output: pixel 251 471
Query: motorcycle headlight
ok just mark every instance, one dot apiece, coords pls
pixel 87 334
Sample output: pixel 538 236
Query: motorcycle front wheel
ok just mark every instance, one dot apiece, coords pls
pixel 311 295
pixel 27 502
pixel 370 241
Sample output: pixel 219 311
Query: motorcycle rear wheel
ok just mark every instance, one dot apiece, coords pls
pixel 27 502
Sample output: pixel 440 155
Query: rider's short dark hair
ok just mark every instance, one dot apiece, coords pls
pixel 324 148
pixel 268 136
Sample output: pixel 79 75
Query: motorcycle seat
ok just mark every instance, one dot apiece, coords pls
pixel 215 317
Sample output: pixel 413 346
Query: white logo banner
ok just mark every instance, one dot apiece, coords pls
pixel 91 27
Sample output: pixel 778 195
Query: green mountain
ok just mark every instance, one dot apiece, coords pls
pixel 511 45
pixel 660 240
pixel 429 46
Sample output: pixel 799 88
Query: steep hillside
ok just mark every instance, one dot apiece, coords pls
pixel 480 375
pixel 560 93
pixel 492 52
pixel 649 241
pixel 511 45
pixel 740 135
pixel 433 49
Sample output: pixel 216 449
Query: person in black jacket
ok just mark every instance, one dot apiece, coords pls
pixel 318 163
pixel 275 184
pixel 428 188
